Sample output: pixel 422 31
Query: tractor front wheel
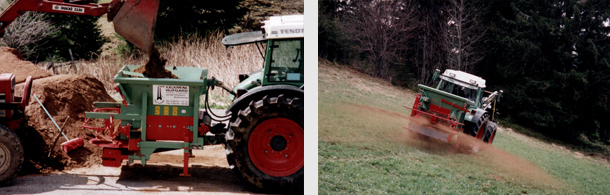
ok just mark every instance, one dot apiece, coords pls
pixel 268 143
pixel 11 155
pixel 490 132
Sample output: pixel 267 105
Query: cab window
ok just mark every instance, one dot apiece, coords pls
pixel 286 63
pixel 458 90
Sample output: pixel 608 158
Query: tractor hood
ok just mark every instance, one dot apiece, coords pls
pixel 243 38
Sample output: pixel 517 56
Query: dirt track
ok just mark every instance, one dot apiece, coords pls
pixel 209 169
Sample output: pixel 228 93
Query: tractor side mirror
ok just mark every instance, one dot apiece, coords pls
pixel 437 72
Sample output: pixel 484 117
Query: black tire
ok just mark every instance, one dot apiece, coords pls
pixel 489 131
pixel 11 155
pixel 255 117
pixel 470 129
pixel 473 129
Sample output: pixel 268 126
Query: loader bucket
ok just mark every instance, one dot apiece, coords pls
pixel 135 21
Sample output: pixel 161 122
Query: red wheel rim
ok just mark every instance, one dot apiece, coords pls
pixel 276 147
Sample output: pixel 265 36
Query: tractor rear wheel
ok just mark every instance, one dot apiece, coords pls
pixel 11 155
pixel 268 143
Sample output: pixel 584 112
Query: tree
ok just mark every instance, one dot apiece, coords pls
pixel 82 34
pixel 552 60
pixel 429 51
pixel 195 16
pixel 332 44
pixel 29 33
pixel 464 36
pixel 381 31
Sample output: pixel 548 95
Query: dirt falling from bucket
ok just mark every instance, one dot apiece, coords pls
pixel 155 67
pixel 62 96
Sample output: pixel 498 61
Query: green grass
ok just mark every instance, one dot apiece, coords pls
pixel 364 149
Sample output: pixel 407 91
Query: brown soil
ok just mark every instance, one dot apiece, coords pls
pixel 378 110
pixel 155 67
pixel 62 96
pixel 213 155
pixel 11 61
pixel 417 140
pixel 509 167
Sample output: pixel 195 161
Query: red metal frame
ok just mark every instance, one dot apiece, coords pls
pixel 172 128
pixel 12 102
pixel 111 157
pixel 18 7
pixel 25 99
pixel 7 81
pixel 185 168
pixel 107 122
pixel 122 96
pixel 203 129
pixel 109 141
pixel 434 117
pixel 416 105
pixel 444 115
pixel 452 104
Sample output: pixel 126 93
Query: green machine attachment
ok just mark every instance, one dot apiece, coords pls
pixel 155 115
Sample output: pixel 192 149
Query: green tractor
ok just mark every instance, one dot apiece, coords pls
pixel 265 137
pixel 459 102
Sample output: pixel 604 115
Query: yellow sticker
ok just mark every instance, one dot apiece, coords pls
pixel 157 110
pixel 165 110
pixel 174 111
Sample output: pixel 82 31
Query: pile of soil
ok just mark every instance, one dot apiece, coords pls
pixel 155 67
pixel 63 96
pixel 11 61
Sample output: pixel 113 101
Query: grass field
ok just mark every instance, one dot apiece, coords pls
pixel 364 149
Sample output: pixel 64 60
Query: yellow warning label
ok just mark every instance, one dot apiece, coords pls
pixel 165 110
pixel 157 110
pixel 174 111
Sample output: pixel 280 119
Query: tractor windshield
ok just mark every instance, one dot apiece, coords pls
pixel 459 90
pixel 286 63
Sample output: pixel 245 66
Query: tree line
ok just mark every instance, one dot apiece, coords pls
pixel 38 35
pixel 552 58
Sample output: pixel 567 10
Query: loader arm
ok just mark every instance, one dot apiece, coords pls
pixel 133 19
pixel 19 7
pixel 492 97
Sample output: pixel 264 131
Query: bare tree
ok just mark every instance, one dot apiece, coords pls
pixel 28 32
pixel 464 36
pixel 429 54
pixel 380 30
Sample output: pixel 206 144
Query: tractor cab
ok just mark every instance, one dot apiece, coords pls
pixel 462 84
pixel 282 38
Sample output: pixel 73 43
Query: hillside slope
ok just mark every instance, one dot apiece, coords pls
pixel 363 148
